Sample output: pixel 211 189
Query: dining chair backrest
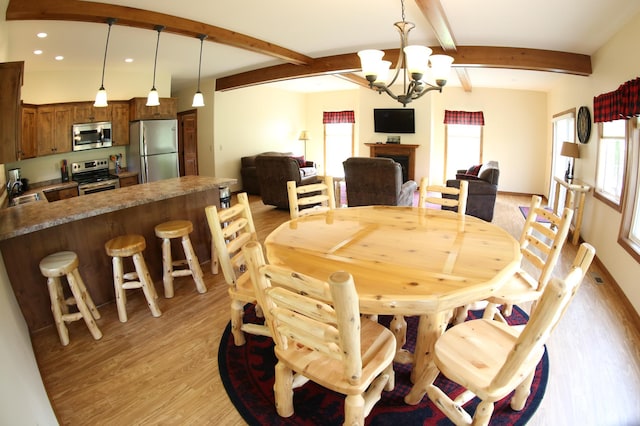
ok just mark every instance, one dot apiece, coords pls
pixel 428 195
pixel 550 308
pixel 310 199
pixel 318 333
pixel 542 240
pixel 231 228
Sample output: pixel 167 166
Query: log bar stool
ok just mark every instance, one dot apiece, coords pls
pixel 65 263
pixel 176 229
pixel 125 246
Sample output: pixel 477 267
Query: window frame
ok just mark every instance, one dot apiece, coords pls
pixel 596 192
pixel 631 204
pixel 446 145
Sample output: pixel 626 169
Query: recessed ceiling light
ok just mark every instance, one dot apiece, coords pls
pixel 128 60
pixel 41 35
pixel 59 58
pixel 37 52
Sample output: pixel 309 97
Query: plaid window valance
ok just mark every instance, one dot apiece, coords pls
pixel 475 118
pixel 620 104
pixel 336 117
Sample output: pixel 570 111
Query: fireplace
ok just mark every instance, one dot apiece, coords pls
pixel 401 153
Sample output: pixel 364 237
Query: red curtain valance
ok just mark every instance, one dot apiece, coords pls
pixel 475 118
pixel 335 117
pixel 620 104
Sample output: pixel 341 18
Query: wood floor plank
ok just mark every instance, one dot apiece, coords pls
pixel 164 370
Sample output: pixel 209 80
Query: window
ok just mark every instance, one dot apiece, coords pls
pixel 629 237
pixel 338 146
pixel 612 149
pixel 563 130
pixel 463 148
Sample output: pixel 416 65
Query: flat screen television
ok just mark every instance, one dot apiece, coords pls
pixel 394 120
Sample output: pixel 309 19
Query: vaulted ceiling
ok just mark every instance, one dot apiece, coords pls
pixel 494 43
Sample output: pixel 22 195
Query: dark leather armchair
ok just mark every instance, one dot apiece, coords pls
pixel 483 188
pixel 376 181
pixel 273 174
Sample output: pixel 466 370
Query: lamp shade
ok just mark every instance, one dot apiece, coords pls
pixel 198 100
pixel 304 136
pixel 570 149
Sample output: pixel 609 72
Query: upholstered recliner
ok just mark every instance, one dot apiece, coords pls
pixel 273 174
pixel 483 188
pixel 376 181
pixel 249 172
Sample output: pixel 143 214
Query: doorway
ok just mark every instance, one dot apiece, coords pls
pixel 188 142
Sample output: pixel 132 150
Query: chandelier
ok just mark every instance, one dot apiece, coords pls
pixel 412 58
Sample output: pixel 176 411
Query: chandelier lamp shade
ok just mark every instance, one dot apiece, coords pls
pixel 101 96
pixel 198 99
pixel 413 61
pixel 153 99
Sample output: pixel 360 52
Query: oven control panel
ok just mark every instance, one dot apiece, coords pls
pixel 89 165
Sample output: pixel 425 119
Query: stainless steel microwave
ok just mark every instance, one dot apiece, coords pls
pixel 91 135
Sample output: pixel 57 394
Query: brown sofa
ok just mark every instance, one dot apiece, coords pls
pixel 249 173
pixel 376 181
pixel 483 188
pixel 274 171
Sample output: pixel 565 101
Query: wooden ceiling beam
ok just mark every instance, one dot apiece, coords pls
pixel 464 56
pixel 88 11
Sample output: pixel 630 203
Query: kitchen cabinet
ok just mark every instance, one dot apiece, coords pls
pixel 138 109
pixel 120 123
pixel 85 112
pixel 61 194
pixel 28 139
pixel 128 181
pixel 54 129
pixel 11 74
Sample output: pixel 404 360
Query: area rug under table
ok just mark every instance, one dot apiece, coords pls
pixel 248 374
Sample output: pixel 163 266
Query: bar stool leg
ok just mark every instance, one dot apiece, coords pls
pixel 82 301
pixel 147 285
pixel 87 299
pixel 57 303
pixel 167 262
pixel 194 264
pixel 121 297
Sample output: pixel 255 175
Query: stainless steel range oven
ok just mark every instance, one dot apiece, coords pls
pixel 93 176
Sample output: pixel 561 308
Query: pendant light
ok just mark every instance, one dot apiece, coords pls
pixel 198 99
pixel 101 96
pixel 153 99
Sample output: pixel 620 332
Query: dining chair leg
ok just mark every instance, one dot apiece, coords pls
pixel 283 390
pixel 237 310
pixel 519 398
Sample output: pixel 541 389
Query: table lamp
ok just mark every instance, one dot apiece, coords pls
pixel 304 137
pixel 571 150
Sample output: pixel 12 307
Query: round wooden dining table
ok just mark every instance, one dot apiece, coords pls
pixel 404 260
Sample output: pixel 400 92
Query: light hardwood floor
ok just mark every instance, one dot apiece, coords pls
pixel 164 370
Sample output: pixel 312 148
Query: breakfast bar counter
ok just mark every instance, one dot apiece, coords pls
pixel 84 224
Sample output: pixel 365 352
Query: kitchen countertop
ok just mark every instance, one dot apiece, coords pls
pixel 34 216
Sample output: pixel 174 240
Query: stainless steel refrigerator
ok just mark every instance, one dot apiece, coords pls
pixel 153 149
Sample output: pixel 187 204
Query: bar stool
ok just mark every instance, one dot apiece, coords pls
pixel 176 229
pixel 131 246
pixel 65 263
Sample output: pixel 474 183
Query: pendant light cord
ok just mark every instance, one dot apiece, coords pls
pixel 201 37
pixel 110 21
pixel 159 28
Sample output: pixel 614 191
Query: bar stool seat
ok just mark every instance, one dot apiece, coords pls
pixel 55 266
pixel 178 229
pixel 131 246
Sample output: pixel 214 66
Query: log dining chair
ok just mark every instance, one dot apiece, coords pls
pixel 319 334
pixel 231 228
pixel 490 359
pixel 457 202
pixel 310 199
pixel 541 243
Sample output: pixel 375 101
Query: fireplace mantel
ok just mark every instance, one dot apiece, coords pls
pixel 396 149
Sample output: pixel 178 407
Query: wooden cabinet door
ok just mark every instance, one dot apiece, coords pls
pixel 28 140
pixel 10 114
pixel 139 110
pixel 188 143
pixel 120 123
pixel 128 181
pixel 62 129
pixel 85 112
pixel 45 130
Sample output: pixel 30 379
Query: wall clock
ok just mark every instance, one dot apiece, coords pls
pixel 583 124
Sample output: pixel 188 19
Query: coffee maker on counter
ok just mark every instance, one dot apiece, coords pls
pixel 15 185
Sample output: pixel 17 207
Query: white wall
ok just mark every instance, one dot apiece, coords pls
pixel 253 120
pixel 614 64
